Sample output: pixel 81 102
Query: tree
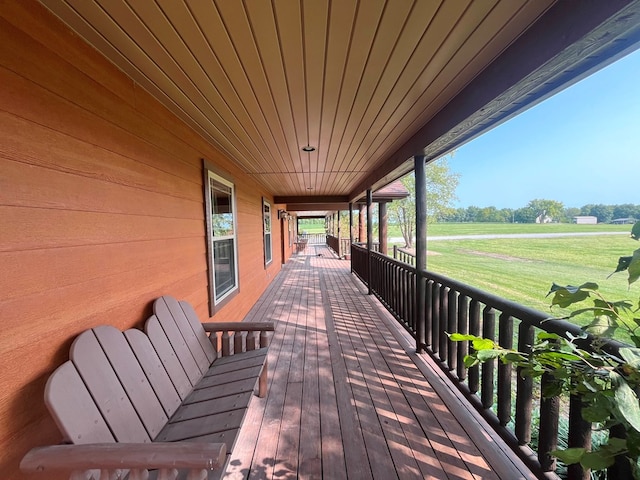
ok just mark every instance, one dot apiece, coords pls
pixel 540 208
pixel 603 212
pixel 441 188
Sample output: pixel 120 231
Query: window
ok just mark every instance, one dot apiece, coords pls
pixel 266 231
pixel 221 238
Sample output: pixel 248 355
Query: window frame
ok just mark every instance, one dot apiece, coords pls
pixel 266 205
pixel 216 302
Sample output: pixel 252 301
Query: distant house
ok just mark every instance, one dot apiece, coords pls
pixel 544 218
pixel 585 220
pixel 624 221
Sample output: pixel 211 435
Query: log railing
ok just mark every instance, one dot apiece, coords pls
pixel 511 403
pixel 404 255
pixel 338 245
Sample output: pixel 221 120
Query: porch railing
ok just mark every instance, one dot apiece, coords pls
pixel 312 238
pixel 510 403
pixel 339 245
pixel 404 255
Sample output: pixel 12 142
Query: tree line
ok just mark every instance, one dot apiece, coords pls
pixel 540 210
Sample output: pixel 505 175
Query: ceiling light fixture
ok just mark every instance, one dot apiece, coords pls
pixel 308 148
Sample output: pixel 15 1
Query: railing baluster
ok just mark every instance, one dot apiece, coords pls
pixel 548 433
pixel 524 388
pixel 474 329
pixel 463 327
pixel 505 340
pixel 428 313
pixel 488 367
pixel 579 437
pixel 444 316
pixel 452 347
pixel 435 317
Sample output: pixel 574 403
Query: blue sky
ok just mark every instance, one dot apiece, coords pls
pixel 580 146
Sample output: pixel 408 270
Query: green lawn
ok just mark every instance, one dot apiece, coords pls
pixel 523 269
pixel 440 229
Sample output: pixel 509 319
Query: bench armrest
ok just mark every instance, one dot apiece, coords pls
pixel 106 456
pixel 238 327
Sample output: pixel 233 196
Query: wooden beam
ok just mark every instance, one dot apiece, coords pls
pixel 569 42
pixel 302 199
pixel 315 207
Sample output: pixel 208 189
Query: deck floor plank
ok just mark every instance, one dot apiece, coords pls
pixel 346 397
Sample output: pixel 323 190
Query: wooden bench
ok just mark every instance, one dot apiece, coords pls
pixel 171 400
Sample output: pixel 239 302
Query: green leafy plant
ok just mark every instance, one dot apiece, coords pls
pixel 607 379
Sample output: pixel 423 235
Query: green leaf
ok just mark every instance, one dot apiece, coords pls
pixel 470 361
pixel 459 337
pixel 570 455
pixel 552 389
pixel 616 445
pixel 623 264
pixel 568 295
pixel 602 325
pixel 483 344
pixel 635 231
pixel 484 355
pixel 548 336
pixel 627 401
pixel 597 460
pixel 631 356
pixel 634 267
pixel 595 413
pixel 513 357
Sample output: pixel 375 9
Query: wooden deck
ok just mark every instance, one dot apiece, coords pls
pixel 348 397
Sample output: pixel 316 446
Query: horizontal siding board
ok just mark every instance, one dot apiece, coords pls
pixel 58 122
pixel 34 228
pixel 51 187
pixel 66 266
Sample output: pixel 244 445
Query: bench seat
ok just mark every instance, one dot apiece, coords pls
pixel 171 399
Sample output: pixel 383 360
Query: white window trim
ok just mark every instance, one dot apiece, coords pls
pixel 265 203
pixel 216 302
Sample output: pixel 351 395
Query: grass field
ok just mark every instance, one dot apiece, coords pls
pixel 523 269
pixel 440 229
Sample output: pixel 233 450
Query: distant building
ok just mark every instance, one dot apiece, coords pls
pixel 585 220
pixel 624 221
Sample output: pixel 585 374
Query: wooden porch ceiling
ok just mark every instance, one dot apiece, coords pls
pixel 368 83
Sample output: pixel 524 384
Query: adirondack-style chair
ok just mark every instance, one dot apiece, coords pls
pixel 169 400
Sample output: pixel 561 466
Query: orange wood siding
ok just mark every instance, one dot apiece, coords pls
pixel 101 211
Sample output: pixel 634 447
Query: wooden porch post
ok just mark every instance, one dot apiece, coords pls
pixel 350 233
pixel 382 227
pixel 338 235
pixel 369 237
pixel 362 228
pixel 421 249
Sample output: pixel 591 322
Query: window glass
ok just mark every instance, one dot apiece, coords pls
pixel 266 217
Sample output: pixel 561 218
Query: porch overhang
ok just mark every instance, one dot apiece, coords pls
pixel 326 100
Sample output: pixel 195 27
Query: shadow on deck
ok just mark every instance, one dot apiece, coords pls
pixel 349 398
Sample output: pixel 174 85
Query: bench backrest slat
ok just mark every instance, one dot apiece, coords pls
pixel 169 312
pixel 177 341
pixel 203 338
pixel 73 409
pixel 133 379
pixel 106 390
pixel 155 371
pixel 167 355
